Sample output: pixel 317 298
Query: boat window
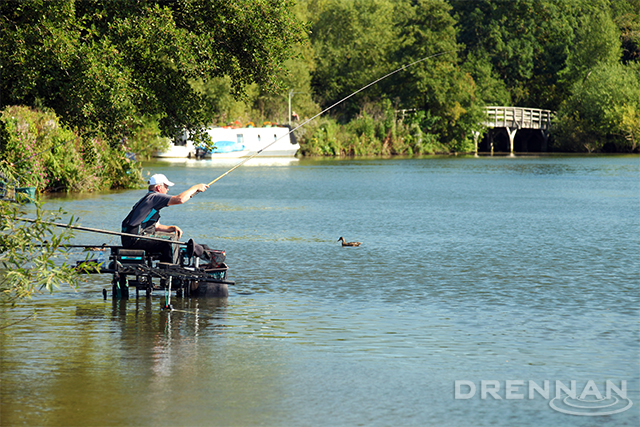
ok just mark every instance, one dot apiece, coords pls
pixel 259 138
pixel 240 138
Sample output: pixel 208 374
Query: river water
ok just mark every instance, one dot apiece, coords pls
pixel 496 274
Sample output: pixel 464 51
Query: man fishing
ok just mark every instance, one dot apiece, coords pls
pixel 144 218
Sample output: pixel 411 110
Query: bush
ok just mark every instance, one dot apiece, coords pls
pixel 30 253
pixel 377 131
pixel 37 151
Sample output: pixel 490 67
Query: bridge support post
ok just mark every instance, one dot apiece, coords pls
pixel 476 135
pixel 512 136
pixel 545 136
pixel 491 141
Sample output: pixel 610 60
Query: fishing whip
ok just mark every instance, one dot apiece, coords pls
pixel 96 230
pixel 324 111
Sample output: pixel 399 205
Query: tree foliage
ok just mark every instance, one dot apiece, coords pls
pixel 626 15
pixel 356 42
pixel 111 68
pixel 525 41
pixel 104 65
pixel 596 42
pixel 353 43
pixel 528 53
pixel 603 111
pixel 36 150
pixel 32 254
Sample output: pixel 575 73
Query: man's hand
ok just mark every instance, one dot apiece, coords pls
pixel 187 194
pixel 200 188
pixel 169 229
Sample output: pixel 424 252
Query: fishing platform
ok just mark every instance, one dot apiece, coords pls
pixel 198 273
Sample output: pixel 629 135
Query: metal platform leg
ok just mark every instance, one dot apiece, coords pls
pixel 120 290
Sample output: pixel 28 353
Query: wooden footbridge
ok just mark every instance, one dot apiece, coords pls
pixel 512 119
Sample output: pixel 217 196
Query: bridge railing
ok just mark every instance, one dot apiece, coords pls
pixel 518 117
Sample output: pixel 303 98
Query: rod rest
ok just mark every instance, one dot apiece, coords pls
pixel 130 256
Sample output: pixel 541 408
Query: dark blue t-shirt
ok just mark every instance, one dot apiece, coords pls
pixel 145 213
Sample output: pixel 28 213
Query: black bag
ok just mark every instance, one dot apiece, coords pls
pixel 215 257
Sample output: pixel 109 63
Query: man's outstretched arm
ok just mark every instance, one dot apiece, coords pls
pixel 187 194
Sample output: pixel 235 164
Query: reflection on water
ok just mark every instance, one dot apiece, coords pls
pixel 470 269
pixel 255 161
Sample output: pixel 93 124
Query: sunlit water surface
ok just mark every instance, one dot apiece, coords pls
pixel 474 269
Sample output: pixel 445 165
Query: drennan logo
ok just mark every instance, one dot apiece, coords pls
pixel 589 401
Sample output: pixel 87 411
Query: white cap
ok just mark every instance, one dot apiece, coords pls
pixel 159 179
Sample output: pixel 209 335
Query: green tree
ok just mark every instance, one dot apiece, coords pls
pixel 357 41
pixel 275 106
pixel 525 41
pixel 353 42
pixel 490 89
pixel 104 65
pixel 296 82
pixel 626 15
pixel 603 112
pixel 437 85
pixel 225 107
pixel 596 41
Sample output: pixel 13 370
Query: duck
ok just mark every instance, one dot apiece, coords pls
pixel 349 243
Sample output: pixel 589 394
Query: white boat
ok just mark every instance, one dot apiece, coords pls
pixel 236 143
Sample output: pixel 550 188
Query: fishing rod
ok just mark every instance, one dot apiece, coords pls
pixel 97 230
pixel 325 110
